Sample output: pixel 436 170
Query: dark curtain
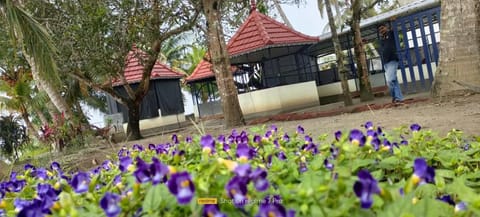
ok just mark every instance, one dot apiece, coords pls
pixel 169 96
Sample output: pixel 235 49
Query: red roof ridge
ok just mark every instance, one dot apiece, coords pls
pixel 258 22
pixel 133 71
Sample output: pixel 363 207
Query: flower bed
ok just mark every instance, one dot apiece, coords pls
pixel 367 172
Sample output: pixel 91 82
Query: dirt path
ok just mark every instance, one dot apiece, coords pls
pixel 462 113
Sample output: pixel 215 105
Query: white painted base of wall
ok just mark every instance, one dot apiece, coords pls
pixel 282 98
pixel 159 121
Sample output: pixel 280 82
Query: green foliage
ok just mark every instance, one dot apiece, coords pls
pixel 318 191
pixel 13 136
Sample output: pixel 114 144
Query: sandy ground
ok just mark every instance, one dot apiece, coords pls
pixel 440 115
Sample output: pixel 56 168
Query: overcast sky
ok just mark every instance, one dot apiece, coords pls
pixel 305 18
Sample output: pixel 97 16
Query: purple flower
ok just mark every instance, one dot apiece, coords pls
pixel 33 209
pixel 152 147
pixel 365 187
pixel 285 137
pixel 338 135
pixel 55 166
pixel 259 178
pixel 244 153
pixel 376 143
pixel 212 210
pixel 47 192
pixel 447 199
pixel 124 163
pixel 328 164
pixel 109 204
pixel 28 167
pixel 124 152
pixel 415 127
pixel 257 139
pixel 281 155
pixel 175 139
pixel 369 125
pixel 80 182
pixel 357 137
pixel 303 167
pixel 181 185
pixel 243 170
pixel 15 186
pixel 422 173
pixel 188 139
pixel 158 171
pixel 137 147
pixel 300 129
pixel 142 174
pixel 208 144
pixel 371 134
pixel 237 190
pixel 462 206
pixel 271 206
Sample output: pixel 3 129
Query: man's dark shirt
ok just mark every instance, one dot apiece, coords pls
pixel 389 52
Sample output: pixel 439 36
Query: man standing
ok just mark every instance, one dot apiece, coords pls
pixel 390 60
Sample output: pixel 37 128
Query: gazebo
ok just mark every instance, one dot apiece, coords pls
pixel 163 105
pixel 271 68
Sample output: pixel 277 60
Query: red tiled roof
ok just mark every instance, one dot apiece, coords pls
pixel 203 70
pixel 134 68
pixel 260 31
pixel 257 32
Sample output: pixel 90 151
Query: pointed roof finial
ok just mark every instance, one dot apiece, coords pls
pixel 253 6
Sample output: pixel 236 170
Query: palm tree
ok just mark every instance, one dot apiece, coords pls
pixel 37 48
pixel 459 66
pixel 347 98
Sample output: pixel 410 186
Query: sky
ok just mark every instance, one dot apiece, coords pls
pixel 304 18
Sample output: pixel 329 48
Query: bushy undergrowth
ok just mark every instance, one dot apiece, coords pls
pixel 265 172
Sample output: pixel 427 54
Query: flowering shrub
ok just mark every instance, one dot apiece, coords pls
pixel 361 172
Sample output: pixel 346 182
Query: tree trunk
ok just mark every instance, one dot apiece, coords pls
pixel 41 116
pixel 282 13
pixel 364 82
pixel 42 83
pixel 459 48
pixel 347 98
pixel 220 64
pixel 133 127
pixel 31 129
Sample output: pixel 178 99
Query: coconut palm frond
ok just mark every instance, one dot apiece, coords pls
pixel 34 37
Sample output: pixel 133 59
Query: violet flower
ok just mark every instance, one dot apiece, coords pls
pixel 259 178
pixel 285 137
pixel 369 125
pixel 415 127
pixel 142 174
pixel 124 163
pixel 357 137
pixel 243 170
pixel 212 210
pixel 273 207
pixel 461 206
pixel 422 173
pixel 181 185
pixel 244 153
pixel 365 187
pixel 80 182
pixel 208 144
pixel 158 171
pixel 300 129
pixel 338 135
pixel 109 204
pixel 237 190
pixel 175 139
pixel 447 199
pixel 328 164
pixel 138 147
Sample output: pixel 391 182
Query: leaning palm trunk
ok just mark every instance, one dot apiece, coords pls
pixel 52 93
pixel 38 50
pixel 282 13
pixel 347 98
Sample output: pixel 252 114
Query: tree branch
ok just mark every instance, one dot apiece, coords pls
pixel 102 88
pixel 370 6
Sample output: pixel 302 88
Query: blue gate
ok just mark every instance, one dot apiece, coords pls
pixel 417 38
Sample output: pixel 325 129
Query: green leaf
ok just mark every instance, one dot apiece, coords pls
pixel 153 199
